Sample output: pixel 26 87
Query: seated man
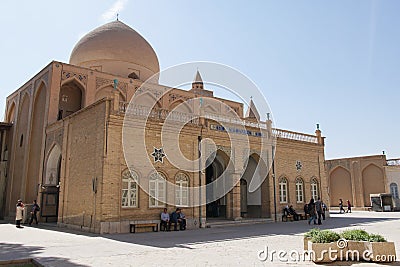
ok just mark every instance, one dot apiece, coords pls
pixel 286 210
pixel 294 213
pixel 183 220
pixel 164 220
pixel 175 218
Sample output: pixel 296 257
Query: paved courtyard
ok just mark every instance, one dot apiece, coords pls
pixel 226 246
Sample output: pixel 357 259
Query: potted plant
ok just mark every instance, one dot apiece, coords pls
pixel 357 242
pixel 380 249
pixel 328 246
pixel 324 246
pixel 310 234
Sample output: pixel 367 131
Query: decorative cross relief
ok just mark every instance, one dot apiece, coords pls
pixel 158 155
pixel 299 165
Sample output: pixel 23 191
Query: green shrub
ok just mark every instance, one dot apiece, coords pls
pixel 355 235
pixel 376 238
pixel 313 232
pixel 325 236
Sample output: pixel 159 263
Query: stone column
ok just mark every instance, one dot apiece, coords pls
pixel 236 198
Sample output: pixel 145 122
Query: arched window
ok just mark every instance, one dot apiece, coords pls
pixel 299 190
pixel 157 190
pixel 283 190
pixel 181 191
pixel 394 190
pixel 314 189
pixel 129 189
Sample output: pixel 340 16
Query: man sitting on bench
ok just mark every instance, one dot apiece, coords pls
pixel 165 220
pixel 176 218
pixel 183 220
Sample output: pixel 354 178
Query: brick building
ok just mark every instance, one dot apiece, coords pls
pixel 61 143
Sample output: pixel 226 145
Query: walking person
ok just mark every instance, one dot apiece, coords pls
pixel 318 208
pixel 324 209
pixel 312 211
pixel 35 209
pixel 19 214
pixel 341 206
pixel 348 206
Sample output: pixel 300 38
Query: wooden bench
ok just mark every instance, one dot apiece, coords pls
pixel 132 226
pixel 287 217
pixel 304 216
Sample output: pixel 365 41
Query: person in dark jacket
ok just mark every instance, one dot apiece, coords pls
pixel 176 218
pixel 34 211
pixel 348 206
pixel 312 211
pixel 318 208
pixel 341 206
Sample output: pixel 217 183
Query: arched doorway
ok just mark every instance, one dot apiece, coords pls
pixel 70 99
pixel 50 185
pixel 340 186
pixel 372 181
pixel 257 201
pixel 214 174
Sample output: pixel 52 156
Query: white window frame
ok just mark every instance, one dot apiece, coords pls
pixel 394 190
pixel 299 190
pixel 182 190
pixel 314 189
pixel 157 188
pixel 283 190
pixel 129 196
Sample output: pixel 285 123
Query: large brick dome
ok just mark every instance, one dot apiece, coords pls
pixel 117 49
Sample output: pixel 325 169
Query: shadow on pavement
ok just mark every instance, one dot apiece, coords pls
pixel 184 239
pixel 13 252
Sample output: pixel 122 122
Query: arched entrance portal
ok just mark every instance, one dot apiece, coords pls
pixel 214 172
pixel 50 186
pixel 255 204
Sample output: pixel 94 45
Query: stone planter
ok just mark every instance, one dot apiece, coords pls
pixel 305 241
pixel 382 251
pixel 351 251
pixel 326 252
pixel 356 251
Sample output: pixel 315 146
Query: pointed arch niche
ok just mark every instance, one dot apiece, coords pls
pixel 70 99
pixel 53 166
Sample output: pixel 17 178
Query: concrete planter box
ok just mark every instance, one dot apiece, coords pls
pixel 326 252
pixel 382 251
pixel 305 241
pixel 354 251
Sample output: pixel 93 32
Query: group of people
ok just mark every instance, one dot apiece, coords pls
pixel 19 214
pixel 316 210
pixel 176 218
pixel 289 210
pixel 341 206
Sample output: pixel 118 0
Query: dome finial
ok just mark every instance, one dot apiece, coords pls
pixel 117 17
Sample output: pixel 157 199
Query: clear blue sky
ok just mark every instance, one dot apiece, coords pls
pixel 336 63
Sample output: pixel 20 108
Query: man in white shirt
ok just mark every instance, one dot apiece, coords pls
pixel 165 220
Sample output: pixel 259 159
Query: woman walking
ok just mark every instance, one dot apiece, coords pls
pixel 348 206
pixel 19 213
